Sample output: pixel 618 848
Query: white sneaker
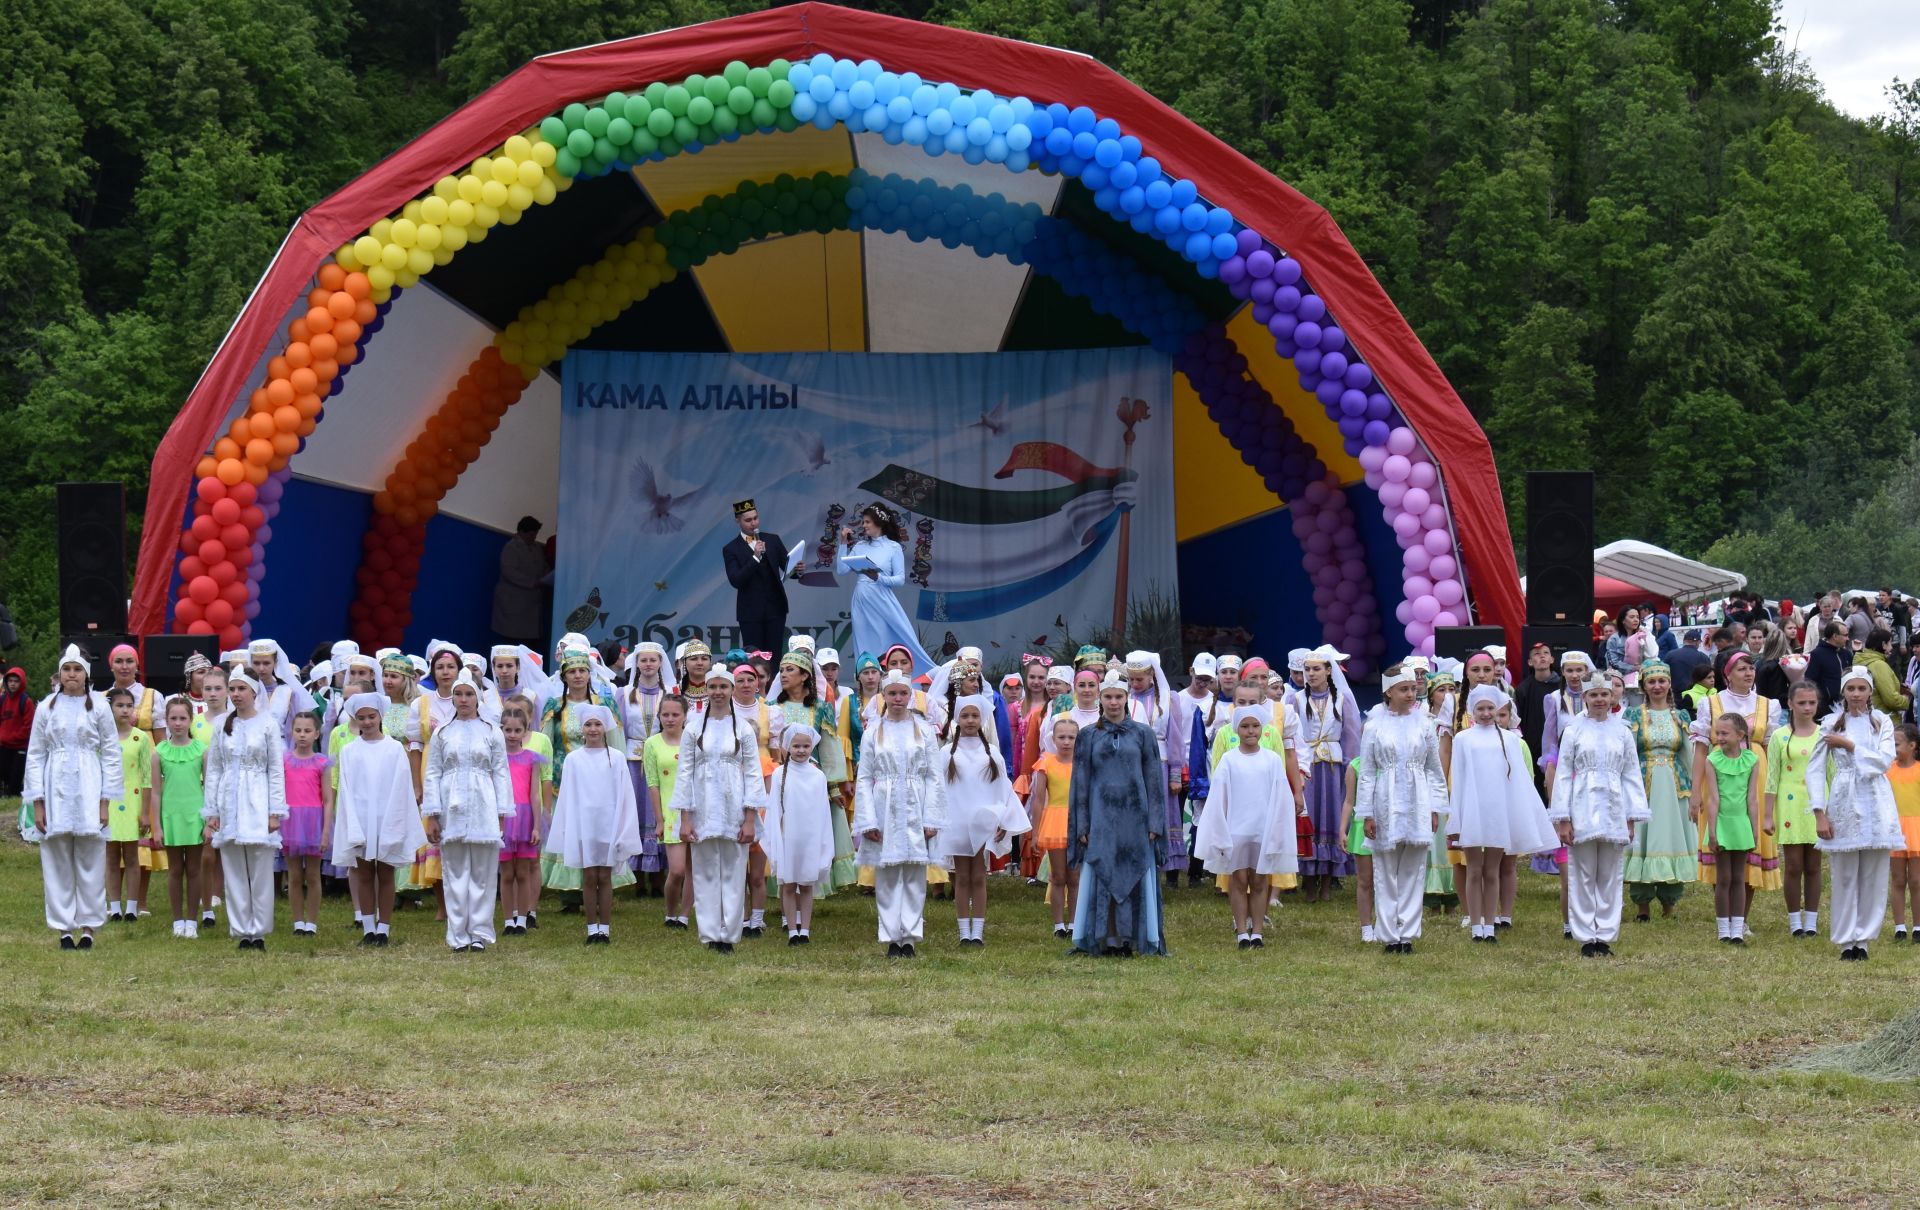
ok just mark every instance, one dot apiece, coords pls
pixel 177 929
pixel 1366 933
pixel 192 930
pixel 214 901
pixel 1466 922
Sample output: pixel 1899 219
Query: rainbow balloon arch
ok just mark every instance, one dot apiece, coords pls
pixel 221 557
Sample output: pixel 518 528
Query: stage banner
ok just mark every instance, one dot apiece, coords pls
pixel 1037 487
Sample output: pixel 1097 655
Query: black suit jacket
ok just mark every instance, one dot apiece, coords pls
pixel 762 589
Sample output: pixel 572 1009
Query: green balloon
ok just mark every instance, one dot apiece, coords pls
pixel 643 142
pixel 699 111
pixel 780 93
pixel 778 69
pixel 596 123
pixel 677 98
pixel 574 115
pixel 636 110
pixel 786 122
pixel 615 102
pixel 735 72
pixel 685 132
pixel 763 114
pixel 580 143
pixel 716 89
pixel 758 81
pixel 725 121
pixel 605 151
pixel 553 130
pixel 619 132
pixel 656 93
pixel 670 147
pixel 566 163
pixel 740 100
pixel 660 123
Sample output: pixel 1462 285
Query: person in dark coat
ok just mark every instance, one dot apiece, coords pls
pixel 756 567
pixel 1116 821
pixel 1829 662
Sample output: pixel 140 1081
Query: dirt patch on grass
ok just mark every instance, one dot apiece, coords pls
pixel 313 1102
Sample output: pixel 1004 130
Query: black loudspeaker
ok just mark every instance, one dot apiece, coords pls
pixel 92 522
pixel 96 646
pixel 1459 642
pixel 1559 548
pixel 1561 639
pixel 166 655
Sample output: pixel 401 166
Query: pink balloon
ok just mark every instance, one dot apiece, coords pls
pixel 1437 542
pixel 1418 631
pixel 1374 478
pixel 1372 458
pixel 1407 540
pixel 1416 558
pixel 1425 608
pixel 1422 475
pixel 1396 468
pixel 1322 597
pixel 1406 525
pixel 1403 612
pixel 1391 494
pixel 1442 567
pixel 1416 500
pixel 1425 646
pixel 1401 441
pixel 1445 618
pixel 1447 592
pixel 1434 518
pixel 1346 592
pixel 1417 586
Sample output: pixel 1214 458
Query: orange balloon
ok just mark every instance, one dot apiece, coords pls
pixel 297 330
pixel 357 285
pixel 256 472
pixel 258 401
pixel 298 354
pixel 347 331
pixel 226 449
pixel 341 305
pixel 468 451
pixel 407 514
pixel 347 355
pixel 287 419
pixel 239 430
pixel 286 444
pixel 325 346
pixel 259 451
pixel 365 312
pixel 231 471
pixel 331 276
pixel 317 297
pixel 327 370
pixel 383 503
pixel 319 320
pixel 304 381
pixel 402 490
pixel 206 466
pixel 307 406
pixel 280 391
pixel 260 424
pixel 306 428
pixel 279 367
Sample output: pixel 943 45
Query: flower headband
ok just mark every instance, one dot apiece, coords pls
pixel 1045 661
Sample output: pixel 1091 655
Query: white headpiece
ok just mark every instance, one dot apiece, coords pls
pixel 1115 679
pixel 320 672
pixel 1242 713
pixel 893 677
pixel 1145 661
pixel 594 710
pixel 384 652
pixel 504 651
pixel 1204 665
pixel 1855 673
pixel 827 655
pixel 1574 655
pixel 1062 673
pixel 366 701
pixel 970 654
pixel 800 642
pixel 795 730
pixel 1402 676
pixel 356 660
pixel 1486 693
pixel 1297 659
pixel 465 678
pixel 341 650
pixel 248 679
pixel 1228 663
pixel 283 669
pixel 1416 663
pixel 979 701
pixel 73 655
pixel 1497 652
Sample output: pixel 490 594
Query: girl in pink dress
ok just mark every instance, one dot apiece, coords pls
pixel 306 836
pixel 522 832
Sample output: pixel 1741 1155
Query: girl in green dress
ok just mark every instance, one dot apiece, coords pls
pixel 1353 829
pixel 1733 819
pixel 1790 753
pixel 1662 859
pixel 179 792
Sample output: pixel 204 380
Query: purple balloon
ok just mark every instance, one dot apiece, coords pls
pixel 1352 403
pixel 1307 361
pixel 1401 441
pixel 1359 377
pixel 1332 339
pixel 1442 567
pixel 1403 612
pixel 1372 458
pixel 1416 500
pixel 1306 334
pixel 1391 494
pixel 1261 291
pixel 1415 558
pixel 1262 311
pixel 1286 298
pixel 1329 392
pixel 1447 592
pixel 1287 270
pixel 1434 518
pixel 1333 365
pixel 1313 307
pixel 1425 645
pixel 1281 324
pixel 1423 475
pixel 1376 433
pixel 1233 270
pixel 1437 542
pixel 1379 407
pixel 1322 597
pixel 1351 427
pixel 1417 586
pixel 1317 494
pixel 1346 592
pixel 1318 543
pixel 1260 263
pixel 1396 469
pixel 1425 608
pixel 1373 479
pixel 1404 541
pixel 1327 522
pixel 1353 569
pixel 1445 617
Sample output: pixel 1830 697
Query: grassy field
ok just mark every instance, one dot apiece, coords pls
pixel 1316 1072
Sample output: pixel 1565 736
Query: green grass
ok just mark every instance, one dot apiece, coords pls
pixel 161 1072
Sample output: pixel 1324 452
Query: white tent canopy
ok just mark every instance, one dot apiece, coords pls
pixel 1664 573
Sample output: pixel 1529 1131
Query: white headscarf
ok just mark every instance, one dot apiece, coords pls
pixel 283 669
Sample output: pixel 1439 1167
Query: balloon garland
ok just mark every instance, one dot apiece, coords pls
pixel 1130 186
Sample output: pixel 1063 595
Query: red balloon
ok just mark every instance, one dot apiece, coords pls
pixel 203 589
pixel 190 568
pixel 226 511
pixel 210 489
pixel 222 574
pixel 236 536
pixel 243 492
pixel 201 627
pixel 220 613
pixel 188 543
pixel 206 529
pixel 212 552
pixel 230 636
pixel 235 594
pixel 187 611
pixel 379 559
pixel 253 516
pixel 374 595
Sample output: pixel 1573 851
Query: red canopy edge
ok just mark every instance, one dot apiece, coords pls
pixel 1224 176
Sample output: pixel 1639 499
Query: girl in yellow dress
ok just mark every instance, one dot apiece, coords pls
pixel 1790 752
pixel 1904 880
pixel 1050 779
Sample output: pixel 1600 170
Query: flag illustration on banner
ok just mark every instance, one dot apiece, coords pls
pixel 1066 528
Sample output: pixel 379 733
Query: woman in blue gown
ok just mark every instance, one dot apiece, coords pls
pixel 879 620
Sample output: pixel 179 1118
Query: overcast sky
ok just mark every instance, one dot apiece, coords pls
pixel 1856 47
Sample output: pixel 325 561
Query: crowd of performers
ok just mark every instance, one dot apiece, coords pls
pixel 487 782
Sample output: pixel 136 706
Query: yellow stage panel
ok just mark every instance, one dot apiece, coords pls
pixel 684 180
pixel 1282 381
pixel 1212 488
pixel 822 305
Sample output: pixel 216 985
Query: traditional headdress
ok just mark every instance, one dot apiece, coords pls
pixel 741 507
pixel 1297 659
pixel 1486 693
pixel 1574 655
pixel 366 701
pixel 895 677
pixel 73 655
pixel 1650 668
pixel 1089 654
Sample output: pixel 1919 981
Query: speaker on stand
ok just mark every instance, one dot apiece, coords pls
pixel 1559 548
pixel 91 523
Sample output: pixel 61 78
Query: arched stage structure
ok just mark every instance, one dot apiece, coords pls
pixel 861 183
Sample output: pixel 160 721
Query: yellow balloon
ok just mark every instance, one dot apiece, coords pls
pixel 544 192
pixel 406 279
pixel 460 213
pixel 517 147
pixel 382 293
pixel 543 154
pixel 529 174
pixel 494 193
pixel 485 216
pixel 428 236
pixel 379 277
pixel 470 188
pixel 519 196
pixel 419 261
pixel 404 232
pixel 446 188
pixel 345 258
pixel 504 169
pixel 393 256
pixel 509 352
pixel 452 239
pixel 476 234
pixel 434 210
pixel 442 255
pixel 382 230
pixel 510 216
pixel 366 250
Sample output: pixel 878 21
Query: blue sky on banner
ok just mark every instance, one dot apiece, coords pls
pixel 1015 470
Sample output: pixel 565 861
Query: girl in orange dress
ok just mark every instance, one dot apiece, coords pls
pixel 1904 882
pixel 1047 804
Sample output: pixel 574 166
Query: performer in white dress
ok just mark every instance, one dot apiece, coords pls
pixel 1493 812
pixel 467 792
pixel 1401 793
pixel 281 694
pixel 1248 830
pixel 246 801
pixel 799 813
pixel 73 771
pixel 596 822
pixel 983 812
pixel 719 795
pixel 899 808
pixel 1854 813
pixel 376 821
pixel 1598 797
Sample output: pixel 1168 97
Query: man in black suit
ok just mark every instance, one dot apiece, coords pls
pixel 756 567
pixel 1829 662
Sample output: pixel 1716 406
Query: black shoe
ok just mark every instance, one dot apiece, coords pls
pixel 380 940
pixel 478 947
pixel 1502 924
pixel 806 939
pixel 726 947
pixel 591 938
pixel 906 951
pixel 893 949
pixel 1245 942
pixel 569 909
pixel 207 920
pixel 113 917
pixel 1061 932
pixel 1492 939
pixel 67 942
pixel 793 939
pixel 86 943
pixel 1173 882
pixel 1846 955
pixel 1604 949
pixel 752 931
pixel 533 921
pixel 1739 941
pixel 1257 942
pixel 367 940
pixel 1588 950
pixel 1477 939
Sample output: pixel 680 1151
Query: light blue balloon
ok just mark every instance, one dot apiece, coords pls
pixel 1080 120
pixel 925 98
pixel 1107 128
pixel 963 110
pixel 870 70
pixel 860 96
pixel 974 153
pixel 899 109
pixel 856 119
pixel 1017 161
pixel 956 140
pixel 939 122
pixel 875 116
pixel 845 72
pixel 821 89
pixel 886 86
pixel 978 131
pixel 1184 191
pixel 822 119
pixel 800 75
pixel 840 107
pixel 1001 115
pixel 948 93
pixel 997 149
pixel 1059 141
pixel 1019 138
pixel 803 106
pixel 914 130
